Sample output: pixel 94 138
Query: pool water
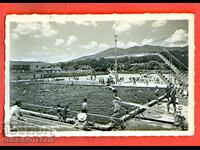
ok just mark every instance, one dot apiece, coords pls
pixel 99 97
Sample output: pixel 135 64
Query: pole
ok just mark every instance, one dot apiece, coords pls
pixel 170 79
pixel 116 76
pixel 171 68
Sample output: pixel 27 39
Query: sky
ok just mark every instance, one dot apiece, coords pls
pixel 67 40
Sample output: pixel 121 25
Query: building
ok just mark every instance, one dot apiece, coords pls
pixel 52 69
pixel 80 69
pixel 85 67
pixel 27 66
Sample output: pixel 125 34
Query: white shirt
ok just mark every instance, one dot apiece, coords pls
pixel 14 110
pixel 84 106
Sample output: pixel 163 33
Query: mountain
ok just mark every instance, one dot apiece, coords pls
pixel 133 50
pixel 22 61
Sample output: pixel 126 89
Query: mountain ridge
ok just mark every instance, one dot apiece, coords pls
pixel 132 50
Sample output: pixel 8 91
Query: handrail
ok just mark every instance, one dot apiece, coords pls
pixel 143 107
pixel 73 111
pixel 110 125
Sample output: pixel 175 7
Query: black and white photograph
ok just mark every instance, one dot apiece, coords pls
pixel 99 75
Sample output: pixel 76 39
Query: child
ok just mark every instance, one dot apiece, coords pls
pixel 157 94
pixel 84 105
pixel 59 113
pixel 65 113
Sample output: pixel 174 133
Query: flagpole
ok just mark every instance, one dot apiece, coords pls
pixel 116 76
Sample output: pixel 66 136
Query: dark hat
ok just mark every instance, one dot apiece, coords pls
pixel 18 103
pixel 85 99
pixel 180 107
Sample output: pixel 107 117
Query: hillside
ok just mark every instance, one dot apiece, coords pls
pixel 179 56
pixel 134 50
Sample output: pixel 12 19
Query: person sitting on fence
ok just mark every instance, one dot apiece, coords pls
pixel 59 112
pixel 65 113
pixel 172 99
pixel 80 122
pixel 114 90
pixel 14 113
pixel 137 112
pixel 51 110
pixel 117 109
pixel 117 98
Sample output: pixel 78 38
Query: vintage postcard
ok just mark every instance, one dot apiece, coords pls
pixel 99 75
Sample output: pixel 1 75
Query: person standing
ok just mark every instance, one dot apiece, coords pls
pixel 157 94
pixel 59 112
pixel 84 106
pixel 168 91
pixel 134 81
pixel 172 99
pixel 65 113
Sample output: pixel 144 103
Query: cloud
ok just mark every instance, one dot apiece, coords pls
pixel 71 40
pixel 47 30
pixel 36 36
pixel 153 30
pixel 45 48
pixel 147 42
pixel 69 48
pixel 61 22
pixel 131 44
pixel 123 26
pixel 137 22
pixel 121 44
pixel 158 23
pixel 178 38
pixel 91 45
pixel 15 36
pixel 59 42
pixel 103 46
pixel 40 53
pixel 94 45
pixel 26 28
pixel 86 23
pixel 34 29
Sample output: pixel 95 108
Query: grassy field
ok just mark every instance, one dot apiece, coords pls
pixel 99 97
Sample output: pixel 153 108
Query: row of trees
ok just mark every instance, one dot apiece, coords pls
pixel 104 64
